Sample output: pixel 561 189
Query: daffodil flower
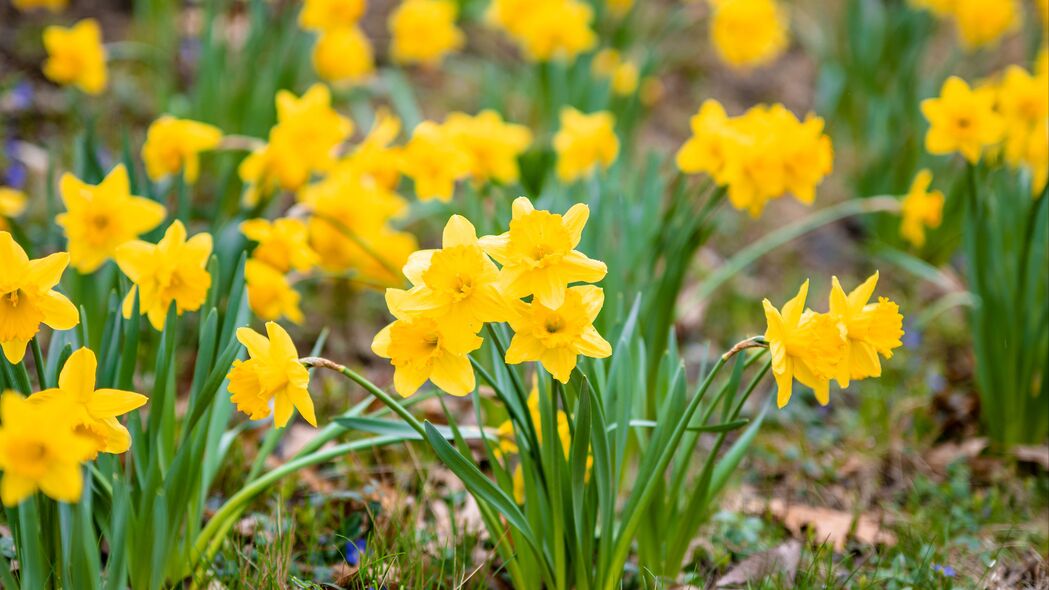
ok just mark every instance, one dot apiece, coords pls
pixel 272 375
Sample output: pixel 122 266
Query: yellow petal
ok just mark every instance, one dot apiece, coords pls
pixel 105 403
pixel 59 311
pixel 859 296
pixel 381 342
pixel 591 344
pixel 136 259
pixel 78 374
pixel 458 232
pixel 560 362
pixel 46 272
pixel 574 220
pixel 14 350
pixel 14 488
pixel 302 401
pixel 453 374
pixel 63 482
pixel 407 379
pixel 256 343
pixel 281 345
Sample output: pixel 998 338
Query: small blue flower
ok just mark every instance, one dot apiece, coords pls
pixel 354 551
pixel 944 570
pixel 21 96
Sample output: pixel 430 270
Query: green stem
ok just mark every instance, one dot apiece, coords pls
pixel 38 360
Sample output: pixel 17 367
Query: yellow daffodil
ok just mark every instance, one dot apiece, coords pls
pixel 871 329
pixel 28 298
pixel 12 204
pixel 981 23
pixel 322 15
pixel 546 29
pixel 51 5
pixel 538 253
pixel 76 56
pixel 707 150
pixel 424 31
pixel 93 411
pixel 375 157
pixel 556 336
pixel 622 75
pixel 433 162
pixel 961 120
pixel 1023 101
pixel 491 145
pixel 282 243
pixel 1037 157
pixel 920 208
pixel 456 284
pixel 99 218
pixel 270 295
pixel 343 55
pixel 40 450
pixel 173 270
pixel 271 375
pixel 422 349
pixel 748 33
pixel 584 143
pixel 175 144
pixel 805 345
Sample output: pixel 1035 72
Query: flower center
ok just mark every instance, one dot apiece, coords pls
pixel 12 298
pixel 554 324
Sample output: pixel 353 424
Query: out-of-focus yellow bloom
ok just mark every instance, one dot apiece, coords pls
pixel 434 162
pixel 622 75
pixel 304 141
pixel 961 120
pixel 652 90
pixel 422 349
pixel 343 55
pixel 748 33
pixel 538 255
pixel 546 29
pixel 28 298
pixel 585 142
pixel 491 145
pixel 805 345
pixel 12 204
pixel 99 218
pixel 374 157
pixel 871 329
pixel 557 336
pixel 760 155
pixel 172 270
pixel 353 234
pixel 270 295
pixel 1037 157
pixel 175 144
pixel 282 243
pixel 76 56
pixel 619 7
pixel 322 15
pixel 94 411
pixel 51 5
pixel 40 450
pixel 424 31
pixel 920 208
pixel 981 23
pixel 1023 101
pixel 1041 63
pixel 455 285
pixel 272 374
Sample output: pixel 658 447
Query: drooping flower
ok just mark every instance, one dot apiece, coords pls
pixel 12 204
pixel 492 146
pixel 920 208
pixel 456 285
pixel 282 243
pixel 76 56
pixel 433 162
pixel 343 55
pixel 272 375
pixel 40 449
pixel 961 120
pixel 546 30
pixel 100 218
pixel 805 345
pixel 424 31
pixel 538 255
pixel 270 295
pixel 584 143
pixel 28 298
pixel 175 144
pixel 173 270
pixel 871 329
pixel 422 349
pixel 748 33
pixel 322 15
pixel 94 411
pixel 556 336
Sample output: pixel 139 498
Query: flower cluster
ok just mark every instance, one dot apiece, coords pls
pixel 842 344
pixel 75 56
pixel 545 29
pixel 760 155
pixel 748 33
pixel 457 289
pixel 979 23
pixel 1006 116
pixel 174 145
pixel 342 52
pixel 585 142
pixel 81 422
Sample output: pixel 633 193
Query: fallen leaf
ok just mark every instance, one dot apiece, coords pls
pixel 830 525
pixel 780 560
pixel 941 456
pixel 1038 455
